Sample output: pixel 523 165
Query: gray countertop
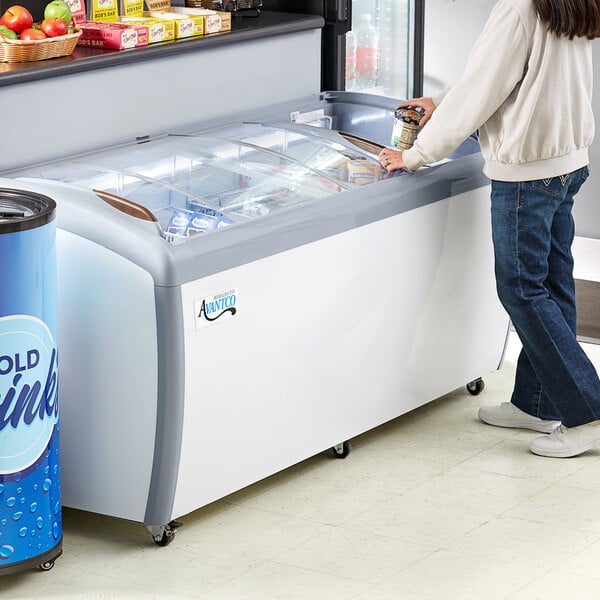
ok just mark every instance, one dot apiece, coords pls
pixel 243 28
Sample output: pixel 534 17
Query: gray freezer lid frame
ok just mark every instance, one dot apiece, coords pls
pixel 293 226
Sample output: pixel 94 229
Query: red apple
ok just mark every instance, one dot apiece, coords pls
pixel 17 18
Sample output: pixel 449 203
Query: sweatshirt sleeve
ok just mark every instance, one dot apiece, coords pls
pixel 495 66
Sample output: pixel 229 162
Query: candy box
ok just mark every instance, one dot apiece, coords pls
pixel 214 22
pixel 159 30
pixel 185 25
pixel 115 36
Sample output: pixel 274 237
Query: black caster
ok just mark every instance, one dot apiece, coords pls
pixel 341 450
pixel 167 534
pixel 475 387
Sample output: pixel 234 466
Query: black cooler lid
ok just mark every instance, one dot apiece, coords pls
pixel 21 210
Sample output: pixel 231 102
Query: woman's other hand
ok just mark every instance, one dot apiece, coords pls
pixel 425 103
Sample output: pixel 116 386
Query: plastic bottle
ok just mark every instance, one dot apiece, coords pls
pixel 350 60
pixel 367 54
pixel 394 52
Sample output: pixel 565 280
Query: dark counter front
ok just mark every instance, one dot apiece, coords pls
pixel 243 28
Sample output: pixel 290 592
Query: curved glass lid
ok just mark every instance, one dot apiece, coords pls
pixel 199 182
pixel 195 184
pixel 338 160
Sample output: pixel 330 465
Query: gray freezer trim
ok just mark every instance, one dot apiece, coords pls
pixel 169 412
pixel 174 264
pixel 319 219
pixel 236 245
pixel 348 109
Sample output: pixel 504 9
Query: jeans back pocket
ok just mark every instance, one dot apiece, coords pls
pixel 553 186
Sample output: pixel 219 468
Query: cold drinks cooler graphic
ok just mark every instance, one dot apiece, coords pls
pixel 247 292
pixel 30 503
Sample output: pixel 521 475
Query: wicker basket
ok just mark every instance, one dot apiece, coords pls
pixel 12 51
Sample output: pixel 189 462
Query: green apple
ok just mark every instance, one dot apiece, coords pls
pixel 9 33
pixel 57 9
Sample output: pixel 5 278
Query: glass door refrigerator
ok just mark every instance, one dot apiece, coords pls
pixel 372 46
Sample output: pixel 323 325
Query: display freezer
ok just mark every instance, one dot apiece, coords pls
pixel 246 293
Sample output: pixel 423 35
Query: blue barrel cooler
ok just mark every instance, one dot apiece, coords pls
pixel 30 501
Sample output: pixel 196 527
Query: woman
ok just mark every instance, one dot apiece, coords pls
pixel 527 89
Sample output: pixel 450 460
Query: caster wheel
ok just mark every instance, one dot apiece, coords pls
pixel 167 535
pixel 47 565
pixel 165 539
pixel 341 450
pixel 475 387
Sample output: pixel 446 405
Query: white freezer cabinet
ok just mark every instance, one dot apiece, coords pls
pixel 240 295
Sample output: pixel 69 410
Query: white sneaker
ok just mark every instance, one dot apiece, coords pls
pixel 564 442
pixel 508 415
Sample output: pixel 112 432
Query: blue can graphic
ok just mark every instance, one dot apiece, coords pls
pixel 30 503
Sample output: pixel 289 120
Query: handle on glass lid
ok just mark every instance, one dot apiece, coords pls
pixel 362 143
pixel 127 206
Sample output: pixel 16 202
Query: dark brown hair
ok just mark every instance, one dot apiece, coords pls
pixel 573 18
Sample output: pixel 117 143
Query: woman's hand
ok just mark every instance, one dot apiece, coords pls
pixel 425 103
pixel 391 160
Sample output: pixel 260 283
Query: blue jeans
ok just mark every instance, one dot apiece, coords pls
pixel 533 230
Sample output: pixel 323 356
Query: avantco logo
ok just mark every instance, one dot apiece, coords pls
pixel 28 391
pixel 219 307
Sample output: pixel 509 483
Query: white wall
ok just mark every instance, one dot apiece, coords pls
pixel 451 27
pixel 587 202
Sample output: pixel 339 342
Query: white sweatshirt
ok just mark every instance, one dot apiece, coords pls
pixel 527 91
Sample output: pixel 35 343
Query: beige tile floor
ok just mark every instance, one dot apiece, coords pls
pixel 432 506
